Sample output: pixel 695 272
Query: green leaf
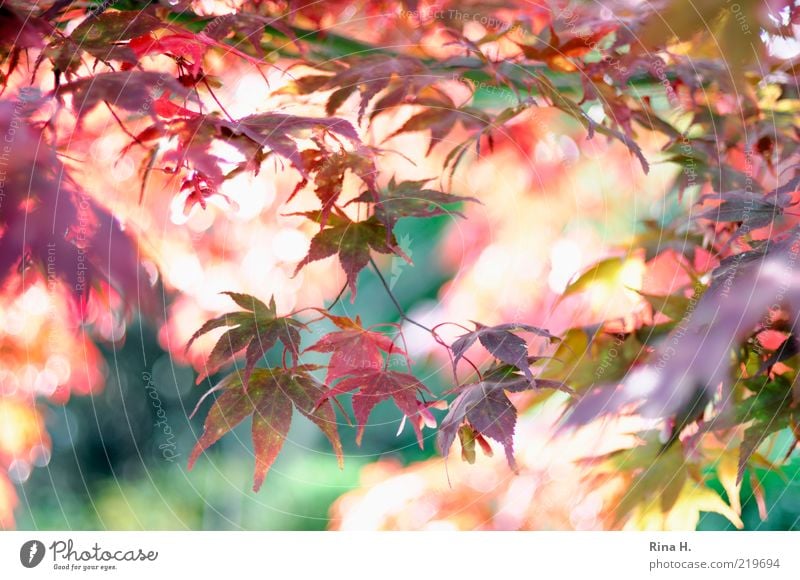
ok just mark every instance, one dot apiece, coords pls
pixel 673 306
pixel 352 242
pixel 768 410
pixel 271 395
pixel 258 329
pixel 252 304
pixel 411 199
pixel 607 270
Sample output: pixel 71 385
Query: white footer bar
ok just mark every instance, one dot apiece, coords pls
pixel 390 555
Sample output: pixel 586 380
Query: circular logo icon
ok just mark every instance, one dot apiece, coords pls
pixel 31 553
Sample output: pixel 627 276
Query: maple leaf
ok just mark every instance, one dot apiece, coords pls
pixel 278 132
pixel 19 32
pixel 48 220
pixel 269 398
pixel 106 36
pixel 194 135
pixel 353 348
pixel 556 52
pixel 698 351
pixel 129 90
pixel 255 137
pixel 441 116
pixel 766 411
pixel 329 169
pixel 568 106
pixel 376 385
pixel 181 46
pixel 649 482
pixel 352 242
pixel 486 408
pixel 369 76
pixel 199 187
pixel 410 199
pixel 257 329
pixel 249 25
pixel 186 48
pixel 501 342
pixel 752 210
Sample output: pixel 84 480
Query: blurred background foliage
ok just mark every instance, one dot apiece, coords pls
pixel 107 471
pixel 554 203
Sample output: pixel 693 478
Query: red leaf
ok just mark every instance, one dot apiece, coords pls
pixel 129 90
pixel 376 385
pixel 555 52
pixel 353 348
pixel 183 45
pixel 48 221
pixel 251 26
pixel 305 393
pixel 440 119
pixel 19 33
pixel 369 76
pixel 103 36
pixel 230 409
pixel 278 132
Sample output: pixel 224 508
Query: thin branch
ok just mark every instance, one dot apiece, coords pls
pixel 122 126
pixel 338 296
pixel 216 100
pixel 432 331
pixel 392 297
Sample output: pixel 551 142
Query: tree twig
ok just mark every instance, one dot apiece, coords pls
pixel 392 297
